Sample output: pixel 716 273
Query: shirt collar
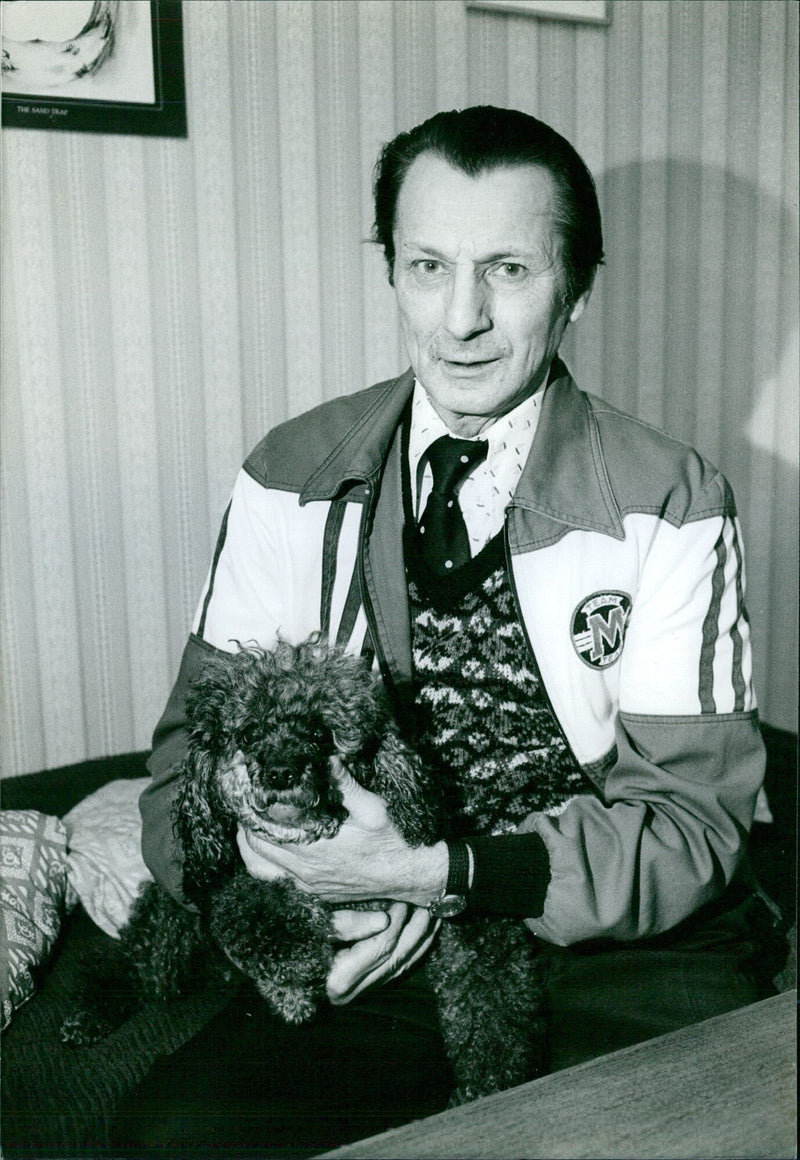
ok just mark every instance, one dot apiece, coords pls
pixel 565 483
pixel 427 426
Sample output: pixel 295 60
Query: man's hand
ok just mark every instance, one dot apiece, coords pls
pixel 368 858
pixel 372 957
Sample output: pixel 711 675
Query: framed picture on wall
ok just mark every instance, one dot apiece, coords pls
pixel 589 11
pixel 106 66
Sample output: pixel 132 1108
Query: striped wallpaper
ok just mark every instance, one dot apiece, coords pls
pixel 167 300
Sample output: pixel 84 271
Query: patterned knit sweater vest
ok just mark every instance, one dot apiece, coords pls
pixel 485 725
pixel 482 716
pixel 483 720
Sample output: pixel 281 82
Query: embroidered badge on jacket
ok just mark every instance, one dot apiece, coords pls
pixel 598 628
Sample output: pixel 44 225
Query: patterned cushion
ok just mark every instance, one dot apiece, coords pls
pixel 33 860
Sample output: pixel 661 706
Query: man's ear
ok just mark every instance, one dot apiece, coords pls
pixel 581 303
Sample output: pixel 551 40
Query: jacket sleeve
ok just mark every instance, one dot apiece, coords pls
pixel 239 602
pixel 667 830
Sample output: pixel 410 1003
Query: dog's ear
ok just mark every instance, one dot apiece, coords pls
pixel 212 702
pixel 412 797
pixel 202 825
pixel 349 702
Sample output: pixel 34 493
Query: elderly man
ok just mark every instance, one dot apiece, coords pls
pixel 552 593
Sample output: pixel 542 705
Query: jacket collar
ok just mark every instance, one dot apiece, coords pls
pixel 564 481
pixel 361 454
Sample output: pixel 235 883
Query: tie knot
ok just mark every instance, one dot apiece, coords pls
pixel 451 459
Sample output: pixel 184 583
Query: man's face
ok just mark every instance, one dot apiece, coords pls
pixel 480 284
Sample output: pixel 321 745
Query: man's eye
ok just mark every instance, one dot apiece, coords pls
pixel 428 266
pixel 511 271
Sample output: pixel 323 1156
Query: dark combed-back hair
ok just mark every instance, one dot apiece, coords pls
pixel 483 138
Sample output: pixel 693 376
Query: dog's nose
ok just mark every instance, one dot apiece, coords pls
pixel 281 776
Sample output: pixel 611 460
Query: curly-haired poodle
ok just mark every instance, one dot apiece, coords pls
pixel 263 727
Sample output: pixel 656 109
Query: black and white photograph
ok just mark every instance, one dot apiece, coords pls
pixel 399 579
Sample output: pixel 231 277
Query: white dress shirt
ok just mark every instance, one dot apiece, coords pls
pixel 485 492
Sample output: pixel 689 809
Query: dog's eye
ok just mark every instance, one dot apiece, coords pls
pixel 249 737
pixel 319 735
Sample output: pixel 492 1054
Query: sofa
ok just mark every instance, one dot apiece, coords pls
pixel 57 1101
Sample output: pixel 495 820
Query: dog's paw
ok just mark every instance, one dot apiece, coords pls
pixel 292 1004
pixel 83 1028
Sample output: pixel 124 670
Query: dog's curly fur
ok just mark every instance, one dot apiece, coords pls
pixel 263 727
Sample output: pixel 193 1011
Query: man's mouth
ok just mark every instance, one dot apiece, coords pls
pixel 468 367
pixel 471 356
pixel 469 362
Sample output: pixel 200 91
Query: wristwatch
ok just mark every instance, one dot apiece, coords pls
pixel 453 899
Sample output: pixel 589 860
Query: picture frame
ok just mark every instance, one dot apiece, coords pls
pixel 580 11
pixel 103 66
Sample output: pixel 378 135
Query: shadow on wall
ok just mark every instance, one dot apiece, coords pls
pixel 698 310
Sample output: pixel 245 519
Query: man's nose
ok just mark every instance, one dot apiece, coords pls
pixel 468 309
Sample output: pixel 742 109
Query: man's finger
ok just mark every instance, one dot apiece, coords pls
pixel 351 965
pixel 359 959
pixel 352 925
pixel 256 864
pixel 366 808
pixel 339 771
pixel 354 969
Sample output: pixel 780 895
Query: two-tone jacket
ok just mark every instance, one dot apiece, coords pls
pixel 625 559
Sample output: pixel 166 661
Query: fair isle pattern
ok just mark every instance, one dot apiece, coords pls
pixel 484 719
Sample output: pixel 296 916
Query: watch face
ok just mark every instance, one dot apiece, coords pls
pixel 449 906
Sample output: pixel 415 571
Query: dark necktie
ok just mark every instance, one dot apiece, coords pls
pixel 445 544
